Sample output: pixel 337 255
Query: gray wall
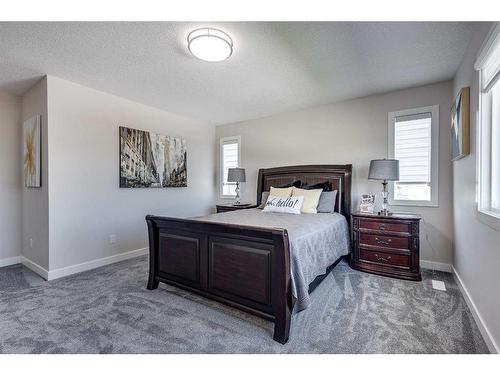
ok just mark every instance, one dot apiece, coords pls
pixel 353 131
pixel 35 201
pixel 10 178
pixel 477 246
pixel 86 203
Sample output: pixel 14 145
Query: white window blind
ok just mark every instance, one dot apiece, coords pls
pixel 414 140
pixel 488 61
pixel 230 155
pixel 412 147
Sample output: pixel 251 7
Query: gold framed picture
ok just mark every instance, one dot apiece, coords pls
pixel 460 126
pixel 31 152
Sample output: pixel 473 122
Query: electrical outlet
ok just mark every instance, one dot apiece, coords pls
pixel 112 238
pixel 31 243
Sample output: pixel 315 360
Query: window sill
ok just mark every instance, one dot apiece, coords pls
pixel 489 218
pixel 414 203
pixel 227 196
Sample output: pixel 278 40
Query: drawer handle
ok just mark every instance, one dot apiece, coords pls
pixel 382 242
pixel 381 259
pixel 381 226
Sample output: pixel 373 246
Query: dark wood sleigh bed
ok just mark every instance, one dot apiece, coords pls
pixel 243 266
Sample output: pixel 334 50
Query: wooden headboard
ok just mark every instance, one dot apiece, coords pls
pixel 338 175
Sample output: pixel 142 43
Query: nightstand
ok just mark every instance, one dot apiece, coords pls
pixel 386 245
pixel 232 207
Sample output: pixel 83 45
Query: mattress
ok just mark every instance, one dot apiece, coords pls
pixel 316 242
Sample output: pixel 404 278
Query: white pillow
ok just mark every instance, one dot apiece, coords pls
pixel 288 205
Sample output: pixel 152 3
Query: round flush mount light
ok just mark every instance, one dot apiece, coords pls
pixel 210 44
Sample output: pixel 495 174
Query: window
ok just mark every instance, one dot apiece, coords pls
pixel 413 140
pixel 488 64
pixel 230 155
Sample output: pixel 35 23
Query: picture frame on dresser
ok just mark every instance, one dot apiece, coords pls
pixel 386 245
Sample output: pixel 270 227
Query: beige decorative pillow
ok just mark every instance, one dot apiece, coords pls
pixel 311 199
pixel 281 192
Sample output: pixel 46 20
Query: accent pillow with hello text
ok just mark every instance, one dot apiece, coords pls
pixel 286 205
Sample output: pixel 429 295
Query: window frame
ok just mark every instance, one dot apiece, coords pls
pixel 484 210
pixel 434 184
pixel 222 141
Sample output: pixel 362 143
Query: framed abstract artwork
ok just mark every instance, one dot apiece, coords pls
pixel 151 160
pixel 31 152
pixel 460 126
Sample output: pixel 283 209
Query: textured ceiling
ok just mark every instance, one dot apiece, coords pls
pixel 276 67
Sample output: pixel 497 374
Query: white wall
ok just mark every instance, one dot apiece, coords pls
pixel 353 131
pixel 86 203
pixel 10 179
pixel 35 201
pixel 477 246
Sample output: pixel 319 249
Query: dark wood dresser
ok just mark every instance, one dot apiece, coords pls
pixel 386 245
pixel 232 207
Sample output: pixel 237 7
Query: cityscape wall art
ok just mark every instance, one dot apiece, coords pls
pixel 150 160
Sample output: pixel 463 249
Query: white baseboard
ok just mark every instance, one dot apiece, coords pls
pixel 35 267
pixel 70 270
pixel 488 338
pixel 9 261
pixel 438 266
pixel 66 271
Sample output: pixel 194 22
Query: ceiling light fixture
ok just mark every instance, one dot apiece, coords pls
pixel 210 44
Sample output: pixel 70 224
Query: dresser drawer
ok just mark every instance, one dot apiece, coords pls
pixel 224 209
pixel 227 208
pixel 382 225
pixel 384 258
pixel 384 241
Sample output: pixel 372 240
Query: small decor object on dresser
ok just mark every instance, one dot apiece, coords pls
pixel 460 133
pixel 367 203
pixel 233 207
pixel 31 152
pixel 151 160
pixel 386 245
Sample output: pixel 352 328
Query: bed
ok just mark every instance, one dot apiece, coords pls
pixel 259 262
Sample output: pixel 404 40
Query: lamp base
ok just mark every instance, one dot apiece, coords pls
pixel 237 197
pixel 385 195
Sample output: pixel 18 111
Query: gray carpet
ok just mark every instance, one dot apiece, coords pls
pixel 17 277
pixel 109 310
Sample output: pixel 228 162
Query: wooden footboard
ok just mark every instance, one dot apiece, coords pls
pixel 245 267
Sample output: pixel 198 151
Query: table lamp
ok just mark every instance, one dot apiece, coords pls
pixel 236 175
pixel 384 170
